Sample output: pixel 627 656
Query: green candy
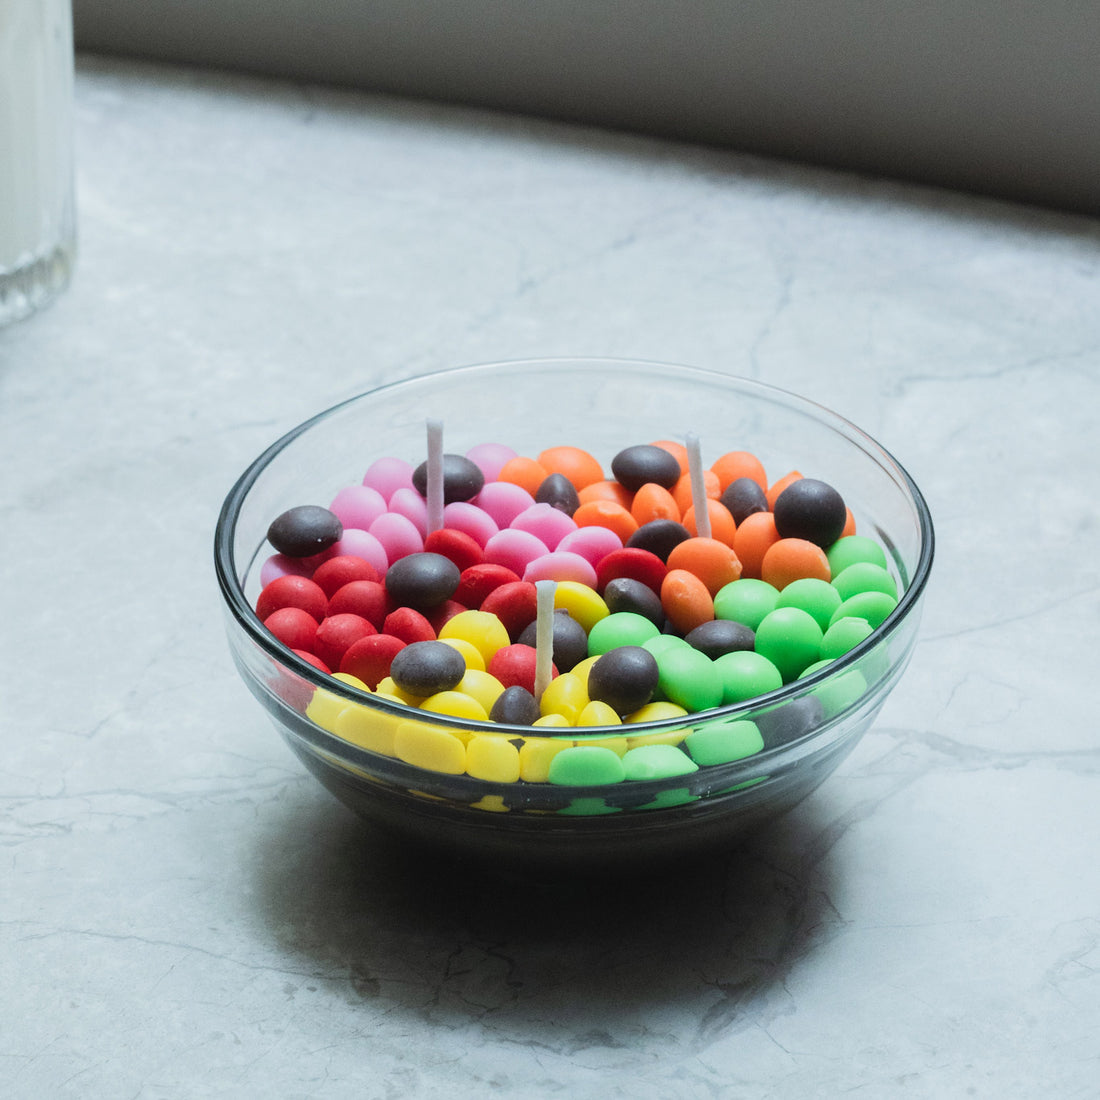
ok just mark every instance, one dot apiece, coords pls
pixel 872 606
pixel 621 628
pixel 689 679
pixel 791 639
pixel 843 635
pixel 864 576
pixel 854 548
pixel 724 742
pixel 745 601
pixel 586 766
pixel 745 675
pixel 819 598
pixel 657 762
pixel 838 692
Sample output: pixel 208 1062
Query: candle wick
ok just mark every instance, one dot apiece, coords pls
pixel 698 486
pixel 544 635
pixel 435 475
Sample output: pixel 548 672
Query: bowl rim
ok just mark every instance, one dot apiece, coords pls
pixel 238 606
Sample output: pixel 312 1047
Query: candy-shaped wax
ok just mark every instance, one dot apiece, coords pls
pixel 387 475
pixel 659 537
pixel 545 522
pixel 398 535
pixel 634 466
pixel 422 580
pixel 470 520
pixel 424 668
pixel 358 506
pixel 502 501
pixel 812 510
pixel 559 492
pixel 303 531
pixel 490 458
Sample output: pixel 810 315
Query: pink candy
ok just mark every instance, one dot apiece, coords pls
pixel 470 520
pixel 387 475
pixel 490 458
pixel 410 504
pixel 398 535
pixel 560 565
pixel 358 506
pixel 592 543
pixel 548 524
pixel 503 501
pixel 514 550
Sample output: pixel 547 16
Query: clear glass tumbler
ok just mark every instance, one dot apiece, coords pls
pixel 37 202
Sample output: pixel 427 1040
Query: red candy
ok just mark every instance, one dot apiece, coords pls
pixel 292 591
pixel 408 625
pixel 366 598
pixel 633 563
pixel 343 569
pixel 515 665
pixel 459 547
pixel 441 613
pixel 295 628
pixel 478 581
pixel 515 604
pixel 336 634
pixel 369 659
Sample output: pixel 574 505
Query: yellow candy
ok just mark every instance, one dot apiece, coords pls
pixel 583 603
pixel 456 705
pixel 324 708
pixel 387 687
pixel 582 668
pixel 598 713
pixel 470 653
pixel 481 629
pixel 491 802
pixel 552 720
pixel 536 753
pixel 656 712
pixel 482 687
pixel 492 758
pixel 565 695
pixel 369 729
pixel 429 747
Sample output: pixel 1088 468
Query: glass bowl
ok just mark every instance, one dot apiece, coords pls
pixel 806 727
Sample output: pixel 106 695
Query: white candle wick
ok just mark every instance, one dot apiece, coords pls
pixel 544 635
pixel 435 475
pixel 698 487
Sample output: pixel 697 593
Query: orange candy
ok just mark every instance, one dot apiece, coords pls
pixel 752 540
pixel 792 559
pixel 849 525
pixel 713 562
pixel 606 490
pixel 722 526
pixel 524 472
pixel 735 464
pixel 681 491
pixel 677 450
pixel 652 502
pixel 772 493
pixel 572 462
pixel 606 513
pixel 685 600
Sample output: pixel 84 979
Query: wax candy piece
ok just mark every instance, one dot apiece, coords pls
pixel 502 501
pixel 719 637
pixel 745 675
pixel 624 678
pixel 560 565
pixel 812 510
pixel 370 658
pixel 336 572
pixel 812 594
pixel 358 506
pixel 659 536
pixel 657 762
pixel 398 536
pixel 723 742
pixel 790 638
pixel 634 466
pixel 481 629
pixel 746 601
pixel 586 765
pixel 843 635
pixel 872 606
pixel 387 475
pixel 622 628
pixel 422 580
pixel 742 498
pixel 337 633
pixel 304 531
pixel 494 759
pixel 366 598
pixel 864 577
pixel 854 548
pixel 292 591
pixel 490 458
pixel 546 523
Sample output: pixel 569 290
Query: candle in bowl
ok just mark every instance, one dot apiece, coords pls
pixel 680 779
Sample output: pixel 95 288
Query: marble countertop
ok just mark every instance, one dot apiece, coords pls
pixel 184 912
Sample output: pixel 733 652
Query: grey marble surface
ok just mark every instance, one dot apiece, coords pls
pixel 185 913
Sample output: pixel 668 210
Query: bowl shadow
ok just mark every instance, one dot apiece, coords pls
pixel 407 929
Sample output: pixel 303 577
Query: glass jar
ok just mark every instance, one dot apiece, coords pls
pixel 37 202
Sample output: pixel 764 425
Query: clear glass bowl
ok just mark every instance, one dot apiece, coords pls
pixel 601 405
